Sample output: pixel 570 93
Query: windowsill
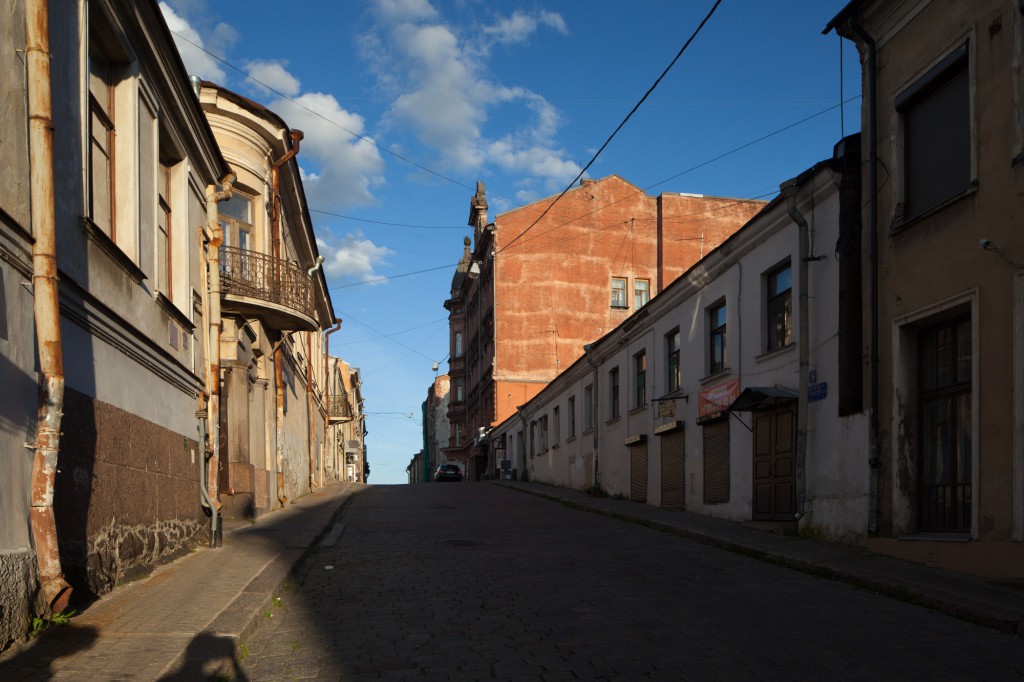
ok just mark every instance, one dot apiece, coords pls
pixel 899 226
pixel 711 378
pixel 638 408
pixel 613 420
pixel 773 353
pixel 110 247
pixel 172 310
pixel 555 446
pixel 620 307
pixel 587 432
pixel 570 439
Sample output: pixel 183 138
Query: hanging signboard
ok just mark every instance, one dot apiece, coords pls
pixel 718 398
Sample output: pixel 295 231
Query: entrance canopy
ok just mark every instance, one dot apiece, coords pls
pixel 761 397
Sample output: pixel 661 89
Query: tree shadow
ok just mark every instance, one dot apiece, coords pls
pixel 207 657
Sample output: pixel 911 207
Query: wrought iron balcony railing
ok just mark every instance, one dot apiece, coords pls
pixel 255 275
pixel 339 408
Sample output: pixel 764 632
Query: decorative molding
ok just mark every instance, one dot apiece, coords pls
pixel 113 251
pixel 172 310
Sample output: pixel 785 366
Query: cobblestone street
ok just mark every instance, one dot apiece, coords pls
pixel 467 582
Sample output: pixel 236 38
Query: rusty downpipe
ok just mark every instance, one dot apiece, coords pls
pixel 275 234
pixel 46 305
pixel 327 383
pixel 213 197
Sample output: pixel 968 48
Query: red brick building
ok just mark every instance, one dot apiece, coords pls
pixel 532 288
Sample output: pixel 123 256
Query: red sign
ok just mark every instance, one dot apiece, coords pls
pixel 718 398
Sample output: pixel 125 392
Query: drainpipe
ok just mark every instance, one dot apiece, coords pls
pixel 874 431
pixel 213 197
pixel 309 412
pixel 279 418
pixel 46 305
pixel 596 407
pixel 275 231
pixel 789 190
pixel 327 382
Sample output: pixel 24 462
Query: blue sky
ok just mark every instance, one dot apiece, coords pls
pixel 407 103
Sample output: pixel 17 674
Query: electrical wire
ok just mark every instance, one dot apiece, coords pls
pixel 616 131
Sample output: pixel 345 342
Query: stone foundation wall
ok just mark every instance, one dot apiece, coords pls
pixel 17 594
pixel 126 497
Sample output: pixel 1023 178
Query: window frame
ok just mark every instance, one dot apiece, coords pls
pixel 773 298
pixel 640 379
pixel 938 80
pixel 571 414
pixel 717 336
pixel 620 284
pixel 641 296
pixel 673 368
pixel 588 408
pixel 613 393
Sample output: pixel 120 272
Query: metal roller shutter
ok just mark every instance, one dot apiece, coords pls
pixel 638 472
pixel 673 479
pixel 716 462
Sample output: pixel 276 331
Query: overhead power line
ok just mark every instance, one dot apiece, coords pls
pixel 616 131
pixel 381 222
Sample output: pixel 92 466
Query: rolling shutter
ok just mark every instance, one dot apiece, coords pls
pixel 716 462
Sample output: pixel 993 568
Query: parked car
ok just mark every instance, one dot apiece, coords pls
pixel 448 472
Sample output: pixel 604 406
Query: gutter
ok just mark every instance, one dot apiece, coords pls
pixel 46 307
pixel 874 435
pixel 789 190
pixel 275 231
pixel 327 381
pixel 215 326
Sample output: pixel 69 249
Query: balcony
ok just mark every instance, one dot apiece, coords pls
pixel 278 292
pixel 339 409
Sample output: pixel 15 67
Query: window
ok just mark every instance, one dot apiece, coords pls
pixel 588 407
pixel 459 390
pixel 556 432
pixel 572 416
pixel 613 393
pixel 619 292
pixel 164 247
pixel 640 379
pixel 458 344
pixel 716 338
pixel 542 427
pixel 675 379
pixel 235 216
pixel 101 136
pixel 458 435
pixel 641 292
pixel 936 116
pixel 944 495
pixel 779 308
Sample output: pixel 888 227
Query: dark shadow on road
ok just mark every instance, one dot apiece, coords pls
pixel 208 657
pixel 56 643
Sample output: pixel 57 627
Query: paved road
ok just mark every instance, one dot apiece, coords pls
pixel 470 582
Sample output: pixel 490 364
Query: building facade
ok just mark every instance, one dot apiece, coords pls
pixel 730 393
pixel 537 284
pixel 274 306
pixel 943 122
pixel 435 427
pixel 108 168
pixel 140 283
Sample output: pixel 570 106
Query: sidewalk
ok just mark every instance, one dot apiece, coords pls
pixel 963 596
pixel 185 621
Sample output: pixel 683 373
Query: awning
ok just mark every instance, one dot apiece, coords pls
pixel 761 397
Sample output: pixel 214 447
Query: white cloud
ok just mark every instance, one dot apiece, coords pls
pixel 273 75
pixel 340 169
pixel 441 91
pixel 520 26
pixel 353 256
pixel 197 62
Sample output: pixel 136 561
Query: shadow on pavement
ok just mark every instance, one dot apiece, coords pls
pixel 60 642
pixel 208 656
